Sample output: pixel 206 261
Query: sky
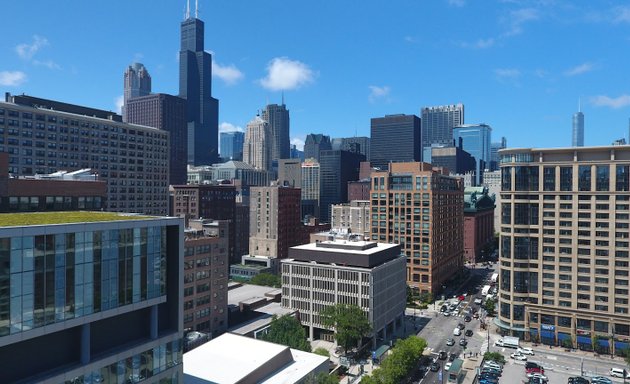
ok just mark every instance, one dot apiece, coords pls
pixel 520 66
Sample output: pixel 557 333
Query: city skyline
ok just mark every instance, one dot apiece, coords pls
pixel 515 63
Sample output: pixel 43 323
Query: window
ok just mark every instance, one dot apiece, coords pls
pixel 566 178
pixel 603 178
pixel 549 178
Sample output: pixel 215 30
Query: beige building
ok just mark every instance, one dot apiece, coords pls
pixel 352 217
pixel 422 209
pixel 257 144
pixel 564 246
pixel 492 180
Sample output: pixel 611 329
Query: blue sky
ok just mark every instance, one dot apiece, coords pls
pixel 519 66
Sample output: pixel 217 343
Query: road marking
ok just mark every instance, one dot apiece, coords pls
pixel 552 357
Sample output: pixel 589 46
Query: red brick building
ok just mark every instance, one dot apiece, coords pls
pixel 478 221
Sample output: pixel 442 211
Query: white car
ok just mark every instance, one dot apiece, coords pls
pixel 537 375
pixel 499 343
pixel 525 351
pixel 518 356
pixel 492 364
pixel 447 366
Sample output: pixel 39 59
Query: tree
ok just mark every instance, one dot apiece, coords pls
pixel 322 378
pixel 489 306
pixel 266 279
pixel 349 322
pixel 322 352
pixel 494 356
pixel 287 330
pixel 400 363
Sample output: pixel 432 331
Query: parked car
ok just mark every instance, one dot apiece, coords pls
pixel 461 326
pixel 447 366
pixel 468 332
pixel 467 318
pixel 463 342
pixel 496 371
pixel 442 355
pixel 446 314
pixel 435 366
pixel 540 375
pixel 488 381
pixel 492 363
pixel 601 380
pixel 451 356
pixel 578 380
pixel 618 372
pixel 518 356
pixel 450 342
pixel 525 351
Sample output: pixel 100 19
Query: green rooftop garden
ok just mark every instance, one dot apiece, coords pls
pixel 65 217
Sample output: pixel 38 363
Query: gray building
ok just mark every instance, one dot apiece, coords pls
pixel 353 217
pixel 90 297
pixel 168 113
pixel 367 274
pixel 195 85
pixel 137 82
pixel 494 153
pixel 455 159
pixel 438 123
pixel 44 136
pixel 278 118
pixel 394 138
pixel 232 145
pixel 337 168
pixel 257 144
pixel 314 144
pixel 290 173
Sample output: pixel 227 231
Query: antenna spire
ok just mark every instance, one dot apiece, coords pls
pixel 187 9
pixel 282 97
pixel 196 9
pixel 579 104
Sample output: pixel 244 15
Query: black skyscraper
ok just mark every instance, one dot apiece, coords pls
pixel 195 85
pixel 336 169
pixel 394 138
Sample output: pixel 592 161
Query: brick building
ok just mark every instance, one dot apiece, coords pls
pixel 478 221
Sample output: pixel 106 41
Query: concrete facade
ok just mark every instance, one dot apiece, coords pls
pixel 478 222
pixel 353 217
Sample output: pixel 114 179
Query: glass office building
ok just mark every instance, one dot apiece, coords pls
pixel 90 301
pixel 476 140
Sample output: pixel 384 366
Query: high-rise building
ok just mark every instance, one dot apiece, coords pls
pixel 232 145
pixel 257 144
pixel 296 153
pixel 278 118
pixel 90 297
pixel 310 187
pixel 360 144
pixel 132 159
pixel 394 138
pixel 137 82
pixel 337 169
pixel 578 129
pixel 290 173
pixel 195 85
pixel 438 123
pixel 427 220
pixel 455 159
pixel 492 180
pixel 494 153
pixel 168 113
pixel 314 144
pixel 353 217
pixel 564 247
pixel 475 140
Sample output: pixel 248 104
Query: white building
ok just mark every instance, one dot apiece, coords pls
pixel 492 180
pixel 353 217
pixel 257 144
pixel 368 274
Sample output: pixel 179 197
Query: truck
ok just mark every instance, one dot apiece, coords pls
pixel 508 342
pixel 485 290
pixel 494 278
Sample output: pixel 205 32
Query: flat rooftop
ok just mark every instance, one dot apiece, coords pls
pixel 64 217
pixel 246 292
pixel 347 246
pixel 233 358
pixel 352 253
pixel 266 314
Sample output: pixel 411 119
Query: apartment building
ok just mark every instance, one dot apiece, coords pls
pixel 353 217
pixel 564 246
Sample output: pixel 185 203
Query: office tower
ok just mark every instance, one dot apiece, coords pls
pixel 290 173
pixel 92 297
pixel 168 113
pixel 454 159
pixel 278 118
pixel 137 82
pixel 438 123
pixel 310 188
pixel 335 143
pixel 578 129
pixel 353 217
pixel 206 263
pixel 475 140
pixel 232 146
pixel 314 144
pixel 478 222
pixel 241 229
pixel 394 138
pixel 274 221
pixel 337 169
pixel 360 144
pixel 427 220
pixel 296 153
pixel 564 247
pixel 195 85
pixel 131 159
pixel 368 274
pixel 257 144
pixel 494 153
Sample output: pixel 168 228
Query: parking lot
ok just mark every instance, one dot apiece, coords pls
pixel 514 372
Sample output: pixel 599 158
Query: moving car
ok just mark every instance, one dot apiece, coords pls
pixel 467 318
pixel 451 356
pixel 450 342
pixel 518 356
pixel 461 326
pixel 525 351
pixel 463 342
pixel 578 380
pixel 447 366
pixel 601 380
pixel 435 366
pixel 618 372
pixel 468 332
pixel 447 314
pixel 442 355
pixel 478 301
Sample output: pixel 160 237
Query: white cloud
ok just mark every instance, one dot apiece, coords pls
pixel 284 74
pixel 622 14
pixel 299 143
pixel 47 63
pixel 377 92
pixel 118 103
pixel 507 73
pixel 580 69
pixel 456 3
pixel 229 127
pixel 228 73
pixel 540 73
pixel 606 101
pixel 27 51
pixel 517 18
pixel 480 43
pixel 12 78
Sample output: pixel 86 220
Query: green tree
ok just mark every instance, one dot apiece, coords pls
pixel 322 352
pixel 267 279
pixel 322 378
pixel 489 306
pixel 400 363
pixel 349 322
pixel 494 356
pixel 287 330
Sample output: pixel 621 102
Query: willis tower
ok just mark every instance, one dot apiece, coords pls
pixel 195 85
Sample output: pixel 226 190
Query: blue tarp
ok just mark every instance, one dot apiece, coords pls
pixel 584 340
pixel 603 342
pixel 563 336
pixel 621 346
pixel 547 334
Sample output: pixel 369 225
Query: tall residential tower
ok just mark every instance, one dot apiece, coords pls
pixel 578 129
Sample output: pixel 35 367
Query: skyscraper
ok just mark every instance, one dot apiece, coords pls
pixel 314 144
pixel 476 140
pixel 578 128
pixel 195 85
pixel 438 123
pixel 337 169
pixel 394 138
pixel 137 82
pixel 310 187
pixel 278 118
pixel 232 145
pixel 256 145
pixel 494 153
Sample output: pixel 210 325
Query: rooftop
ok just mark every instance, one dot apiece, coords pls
pixel 66 217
